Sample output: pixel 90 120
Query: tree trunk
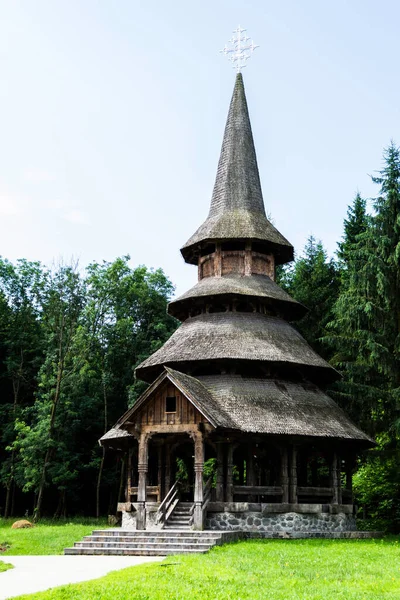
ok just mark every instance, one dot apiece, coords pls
pixel 121 481
pixel 99 482
pixel 10 487
pixel 105 407
pixel 10 483
pixel 49 451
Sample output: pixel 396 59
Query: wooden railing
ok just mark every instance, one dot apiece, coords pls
pixel 151 490
pixel 207 494
pixel 314 491
pixel 168 504
pixel 258 490
pixel 191 515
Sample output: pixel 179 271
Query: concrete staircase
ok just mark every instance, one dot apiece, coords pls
pixel 181 517
pixel 150 543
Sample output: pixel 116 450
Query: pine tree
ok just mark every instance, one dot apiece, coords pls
pixel 351 333
pixel 313 281
pixel 365 333
pixel 356 223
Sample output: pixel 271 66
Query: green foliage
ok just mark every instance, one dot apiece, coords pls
pixel 356 224
pixel 377 488
pixel 69 343
pixel 210 470
pixel 313 281
pixel 5 566
pixel 256 570
pixel 364 336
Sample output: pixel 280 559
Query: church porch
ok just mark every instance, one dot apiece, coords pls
pixel 251 482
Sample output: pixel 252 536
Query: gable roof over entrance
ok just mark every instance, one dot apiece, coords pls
pixel 265 406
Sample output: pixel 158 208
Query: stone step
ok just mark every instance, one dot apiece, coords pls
pixel 145 545
pixel 132 551
pixel 166 538
pixel 177 521
pixel 158 532
pixel 150 543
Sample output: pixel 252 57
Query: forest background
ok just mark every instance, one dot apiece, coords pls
pixel 70 340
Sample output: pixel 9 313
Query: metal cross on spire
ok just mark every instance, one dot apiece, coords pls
pixel 240 49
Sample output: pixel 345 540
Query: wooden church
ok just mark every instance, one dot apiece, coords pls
pixel 236 387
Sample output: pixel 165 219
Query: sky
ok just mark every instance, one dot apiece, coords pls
pixel 112 115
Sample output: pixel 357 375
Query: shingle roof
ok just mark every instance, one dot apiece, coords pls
pixel 251 286
pixel 265 406
pixel 233 335
pixel 278 407
pixel 115 435
pixel 237 207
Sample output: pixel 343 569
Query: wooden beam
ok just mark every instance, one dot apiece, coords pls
pixel 142 483
pixel 259 490
pixel 293 476
pixel 229 474
pixel 250 475
pixel 284 475
pixel 315 491
pixel 334 479
pixel 167 482
pixel 129 476
pixel 198 481
pixel 219 491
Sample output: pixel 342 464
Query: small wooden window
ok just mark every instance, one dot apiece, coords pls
pixel 170 404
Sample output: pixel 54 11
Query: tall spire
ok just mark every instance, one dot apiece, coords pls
pixel 237 208
pixel 237 185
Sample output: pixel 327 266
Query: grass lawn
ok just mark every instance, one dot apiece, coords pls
pixel 47 537
pixel 256 570
pixel 4 566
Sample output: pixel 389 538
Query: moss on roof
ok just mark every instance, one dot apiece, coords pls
pixel 251 286
pixel 237 207
pixel 233 335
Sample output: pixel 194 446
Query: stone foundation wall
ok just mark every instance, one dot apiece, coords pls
pixel 128 520
pixel 280 523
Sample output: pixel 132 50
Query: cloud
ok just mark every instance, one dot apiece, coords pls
pixel 75 216
pixel 38 175
pixel 54 204
pixel 9 206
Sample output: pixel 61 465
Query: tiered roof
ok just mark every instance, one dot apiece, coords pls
pixel 284 398
pixel 253 287
pixel 236 337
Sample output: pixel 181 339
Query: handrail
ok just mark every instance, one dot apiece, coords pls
pixel 167 497
pixel 167 502
pixel 207 494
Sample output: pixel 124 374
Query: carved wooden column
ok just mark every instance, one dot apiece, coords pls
pixel 159 472
pixel 250 475
pixel 293 476
pixel 284 475
pixel 219 491
pixel 339 478
pixel 241 470
pixel 349 476
pixel 129 476
pixel 336 479
pixel 198 481
pixel 167 479
pixel 142 483
pixel 229 474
